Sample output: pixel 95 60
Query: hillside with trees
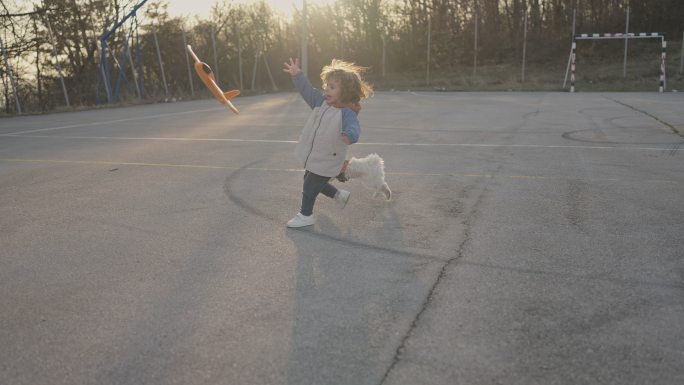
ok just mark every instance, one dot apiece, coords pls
pixel 416 44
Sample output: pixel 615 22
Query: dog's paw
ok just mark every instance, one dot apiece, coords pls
pixel 384 190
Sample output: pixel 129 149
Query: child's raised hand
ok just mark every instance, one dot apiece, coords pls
pixel 292 67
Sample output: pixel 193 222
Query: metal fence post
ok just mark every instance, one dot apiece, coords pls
pixel 475 49
pixel 384 53
pixel 624 64
pixel 524 47
pixel 133 69
pixel 213 43
pixel 305 40
pixel 239 48
pixel 161 64
pixel 54 57
pixel 681 58
pixel 429 42
pixel 187 60
pixel 256 62
pixel 9 72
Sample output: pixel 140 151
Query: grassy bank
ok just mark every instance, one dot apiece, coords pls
pixel 597 70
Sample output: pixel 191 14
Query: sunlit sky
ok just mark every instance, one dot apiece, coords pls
pixel 202 7
pixel 199 8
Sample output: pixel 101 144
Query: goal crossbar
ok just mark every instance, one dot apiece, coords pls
pixel 594 36
pixel 618 36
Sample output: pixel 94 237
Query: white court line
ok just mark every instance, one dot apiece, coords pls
pixel 151 138
pixel 113 121
pixel 523 146
pixel 404 174
pixel 387 144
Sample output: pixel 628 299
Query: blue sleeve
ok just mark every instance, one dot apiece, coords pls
pixel 311 96
pixel 350 125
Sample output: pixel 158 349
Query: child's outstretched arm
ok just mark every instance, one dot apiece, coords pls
pixel 311 96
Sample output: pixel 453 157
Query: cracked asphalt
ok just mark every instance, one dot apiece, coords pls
pixel 532 238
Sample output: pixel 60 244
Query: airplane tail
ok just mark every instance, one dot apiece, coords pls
pixel 231 94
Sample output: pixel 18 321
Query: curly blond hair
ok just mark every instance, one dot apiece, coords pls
pixel 349 75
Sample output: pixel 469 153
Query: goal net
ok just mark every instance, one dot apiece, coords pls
pixel 617 36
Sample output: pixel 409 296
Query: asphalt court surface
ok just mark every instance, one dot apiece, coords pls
pixel 532 238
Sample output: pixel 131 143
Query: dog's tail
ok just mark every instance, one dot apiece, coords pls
pixel 376 160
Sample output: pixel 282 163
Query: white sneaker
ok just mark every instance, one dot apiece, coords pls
pixel 342 197
pixel 300 220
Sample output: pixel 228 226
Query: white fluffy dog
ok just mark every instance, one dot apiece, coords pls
pixel 371 171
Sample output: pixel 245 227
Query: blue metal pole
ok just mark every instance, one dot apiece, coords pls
pixel 104 68
pixel 122 74
pixel 108 84
pixel 139 60
pixel 130 14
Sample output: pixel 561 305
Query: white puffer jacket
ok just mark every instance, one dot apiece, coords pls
pixel 321 148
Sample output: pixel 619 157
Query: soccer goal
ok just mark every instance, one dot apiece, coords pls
pixel 618 36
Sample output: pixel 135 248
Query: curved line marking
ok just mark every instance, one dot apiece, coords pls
pixel 227 189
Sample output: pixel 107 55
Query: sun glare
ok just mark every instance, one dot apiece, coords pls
pixel 202 8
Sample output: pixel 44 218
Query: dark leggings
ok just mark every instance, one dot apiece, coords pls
pixel 313 185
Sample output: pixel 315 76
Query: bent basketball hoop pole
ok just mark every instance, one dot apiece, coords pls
pixel 104 66
pixel 621 36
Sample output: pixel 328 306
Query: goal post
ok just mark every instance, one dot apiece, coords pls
pixel 618 36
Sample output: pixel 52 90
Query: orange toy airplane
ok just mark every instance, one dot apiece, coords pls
pixel 207 76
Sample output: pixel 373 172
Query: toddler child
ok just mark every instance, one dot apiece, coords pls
pixel 331 127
